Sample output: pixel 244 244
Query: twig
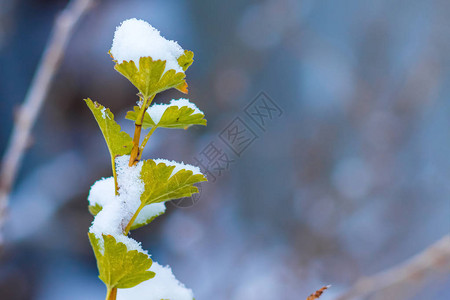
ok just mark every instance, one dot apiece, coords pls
pixel 318 293
pixel 35 97
pixel 436 257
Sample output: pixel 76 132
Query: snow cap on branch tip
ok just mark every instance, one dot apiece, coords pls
pixel 135 38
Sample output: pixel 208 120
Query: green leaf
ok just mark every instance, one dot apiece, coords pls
pixel 173 117
pixel 147 122
pixel 150 78
pixel 118 267
pixel 186 60
pixel 95 209
pixel 118 142
pixel 159 187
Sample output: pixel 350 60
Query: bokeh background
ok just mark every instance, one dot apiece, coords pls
pixel 352 178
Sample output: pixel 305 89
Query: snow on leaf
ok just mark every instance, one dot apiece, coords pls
pixel 151 77
pixel 118 267
pixel 161 185
pixel 118 142
pixel 135 38
pixel 163 286
pixel 178 114
pixel 145 216
pixel 148 214
pixel 100 194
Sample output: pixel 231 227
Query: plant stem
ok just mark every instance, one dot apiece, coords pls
pixel 127 229
pixel 144 142
pixel 116 185
pixel 135 151
pixel 111 294
pixel 134 155
pixel 135 159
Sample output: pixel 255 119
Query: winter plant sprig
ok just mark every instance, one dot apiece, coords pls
pixel 138 189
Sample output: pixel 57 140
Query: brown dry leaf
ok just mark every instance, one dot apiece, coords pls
pixel 317 294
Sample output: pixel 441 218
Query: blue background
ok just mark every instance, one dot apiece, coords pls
pixel 352 178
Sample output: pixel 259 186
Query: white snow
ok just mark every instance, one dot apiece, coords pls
pixel 118 210
pixel 135 38
pixel 178 166
pixel 130 183
pixel 102 192
pixel 163 286
pixel 108 222
pixel 115 215
pixel 150 211
pixel 156 111
pixel 104 115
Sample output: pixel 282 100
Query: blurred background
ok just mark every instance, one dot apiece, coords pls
pixel 347 177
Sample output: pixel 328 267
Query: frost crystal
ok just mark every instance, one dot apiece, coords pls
pixel 163 286
pixel 134 39
pixel 178 166
pixel 156 111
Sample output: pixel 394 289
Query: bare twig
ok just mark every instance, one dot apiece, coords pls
pixel 433 259
pixel 318 293
pixel 35 97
